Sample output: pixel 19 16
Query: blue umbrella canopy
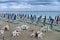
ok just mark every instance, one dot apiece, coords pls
pixel 39 18
pixel 35 17
pixel 44 19
pixel 14 17
pixel 52 20
pixel 25 16
pixel 50 17
pixel 28 16
pixel 8 16
pixel 20 15
pixel 4 15
pixel 32 18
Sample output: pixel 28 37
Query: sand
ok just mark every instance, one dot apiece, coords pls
pixel 25 35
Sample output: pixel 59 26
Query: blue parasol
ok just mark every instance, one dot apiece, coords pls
pixel 44 21
pixel 39 18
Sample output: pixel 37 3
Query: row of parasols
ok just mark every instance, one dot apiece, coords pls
pixel 32 18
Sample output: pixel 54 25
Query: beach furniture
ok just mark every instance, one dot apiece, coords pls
pixel 15 22
pixel 20 19
pixel 44 21
pixel 14 19
pixel 6 27
pixel 15 33
pixel 51 25
pixel 39 19
pixel 24 27
pixel 2 32
pixel 32 19
pixel 18 28
pixel 28 16
pixel 57 29
pixel 57 20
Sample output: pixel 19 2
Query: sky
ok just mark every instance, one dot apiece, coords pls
pixel 29 5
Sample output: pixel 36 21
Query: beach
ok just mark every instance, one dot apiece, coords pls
pixel 25 35
pixel 29 19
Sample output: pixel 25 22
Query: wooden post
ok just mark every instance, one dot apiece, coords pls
pixel 3 37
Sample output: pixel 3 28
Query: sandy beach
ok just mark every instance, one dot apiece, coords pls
pixel 25 35
pixel 29 19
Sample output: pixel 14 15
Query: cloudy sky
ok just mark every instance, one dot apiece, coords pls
pixel 30 5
